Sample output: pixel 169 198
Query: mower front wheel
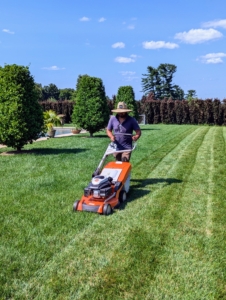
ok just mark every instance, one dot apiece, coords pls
pixel 75 205
pixel 107 210
pixel 122 196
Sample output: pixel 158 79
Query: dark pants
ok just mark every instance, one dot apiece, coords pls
pixel 124 156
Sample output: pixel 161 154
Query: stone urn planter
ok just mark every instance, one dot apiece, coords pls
pixel 75 131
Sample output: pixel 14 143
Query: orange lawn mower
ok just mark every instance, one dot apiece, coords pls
pixel 109 186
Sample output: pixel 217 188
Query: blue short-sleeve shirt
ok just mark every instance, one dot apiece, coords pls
pixel 126 127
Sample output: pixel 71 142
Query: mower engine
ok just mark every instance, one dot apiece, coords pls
pixel 99 187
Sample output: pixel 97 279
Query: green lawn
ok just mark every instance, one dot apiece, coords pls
pixel 168 241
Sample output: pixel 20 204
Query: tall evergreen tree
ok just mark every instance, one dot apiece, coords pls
pixel 159 82
pixel 21 117
pixel 126 94
pixel 90 111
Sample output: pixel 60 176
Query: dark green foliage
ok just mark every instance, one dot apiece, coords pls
pixel 21 118
pixel 197 111
pixel 159 82
pixel 191 95
pixel 50 91
pixel 217 112
pixel 61 107
pixel 126 94
pixel 91 111
pixel 66 94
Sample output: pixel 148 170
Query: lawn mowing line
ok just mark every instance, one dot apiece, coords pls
pixel 209 223
pixel 190 263
pixel 157 171
pixel 168 162
pixel 165 140
pixel 162 147
pixel 218 240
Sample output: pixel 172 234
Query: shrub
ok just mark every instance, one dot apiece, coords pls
pixel 90 110
pixel 21 118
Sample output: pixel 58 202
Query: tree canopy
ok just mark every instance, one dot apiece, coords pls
pixel 21 116
pixel 90 111
pixel 159 82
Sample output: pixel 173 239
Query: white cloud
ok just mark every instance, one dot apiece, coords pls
pixel 133 55
pixel 101 20
pixel 125 60
pixel 53 68
pixel 215 24
pixel 118 45
pixel 128 75
pixel 84 19
pixel 159 44
pixel 212 58
pixel 131 27
pixel 195 36
pixel 8 31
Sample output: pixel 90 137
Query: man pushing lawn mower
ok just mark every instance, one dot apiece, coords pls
pixel 123 126
pixel 109 185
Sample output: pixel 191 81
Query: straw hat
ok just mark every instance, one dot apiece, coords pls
pixel 121 107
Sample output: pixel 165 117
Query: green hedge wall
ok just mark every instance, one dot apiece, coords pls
pixel 211 112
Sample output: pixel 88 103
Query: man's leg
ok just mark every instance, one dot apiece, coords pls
pixel 126 156
pixel 118 156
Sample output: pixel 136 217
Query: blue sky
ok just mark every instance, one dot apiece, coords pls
pixel 116 41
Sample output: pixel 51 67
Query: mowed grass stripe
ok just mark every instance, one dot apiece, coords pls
pixel 188 269
pixel 156 146
pixel 218 237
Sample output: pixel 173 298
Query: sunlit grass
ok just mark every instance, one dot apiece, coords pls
pixel 166 242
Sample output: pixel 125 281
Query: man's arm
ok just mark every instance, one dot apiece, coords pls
pixel 137 135
pixel 110 135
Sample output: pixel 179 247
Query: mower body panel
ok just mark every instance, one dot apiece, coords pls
pixel 105 188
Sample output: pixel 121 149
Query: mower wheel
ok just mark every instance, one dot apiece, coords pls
pixel 75 205
pixel 107 210
pixel 122 196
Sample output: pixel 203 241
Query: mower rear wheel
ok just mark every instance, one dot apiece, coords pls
pixel 75 205
pixel 107 210
pixel 122 196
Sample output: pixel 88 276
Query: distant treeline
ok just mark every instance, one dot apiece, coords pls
pixel 167 111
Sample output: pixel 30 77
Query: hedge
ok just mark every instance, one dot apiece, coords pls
pixel 167 111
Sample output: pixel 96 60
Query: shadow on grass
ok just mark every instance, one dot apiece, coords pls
pixel 56 151
pixel 142 129
pixel 137 189
pixel 140 183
